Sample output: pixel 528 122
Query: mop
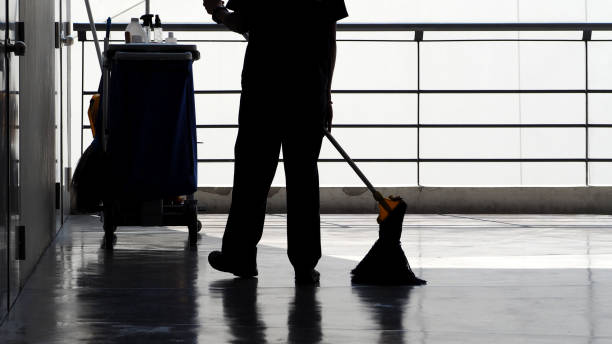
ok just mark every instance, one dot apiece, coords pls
pixel 385 263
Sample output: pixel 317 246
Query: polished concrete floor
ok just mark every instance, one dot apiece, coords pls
pixel 492 279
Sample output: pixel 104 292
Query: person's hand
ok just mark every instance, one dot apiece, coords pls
pixel 329 117
pixel 210 5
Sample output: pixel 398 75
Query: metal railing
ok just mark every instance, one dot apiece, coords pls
pixel 419 29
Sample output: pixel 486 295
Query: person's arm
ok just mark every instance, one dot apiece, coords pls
pixel 332 66
pixel 234 21
pixel 334 10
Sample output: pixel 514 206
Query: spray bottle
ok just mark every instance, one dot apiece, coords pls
pixel 147 23
pixel 158 31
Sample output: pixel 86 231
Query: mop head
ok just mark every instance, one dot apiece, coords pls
pixel 386 263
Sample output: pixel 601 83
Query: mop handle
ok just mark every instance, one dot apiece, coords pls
pixel 94 32
pixel 377 195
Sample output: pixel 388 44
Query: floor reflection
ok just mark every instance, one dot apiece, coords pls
pixel 151 290
pixel 386 306
pixel 240 309
pixel 143 294
pixel 304 320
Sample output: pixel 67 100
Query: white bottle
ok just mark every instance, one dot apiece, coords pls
pixel 171 39
pixel 134 33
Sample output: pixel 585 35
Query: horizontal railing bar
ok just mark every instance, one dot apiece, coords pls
pixel 425 126
pixel 507 91
pixel 396 40
pixel 576 91
pixel 434 160
pixel 549 91
pixel 194 27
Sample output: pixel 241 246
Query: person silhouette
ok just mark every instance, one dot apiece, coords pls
pixel 285 102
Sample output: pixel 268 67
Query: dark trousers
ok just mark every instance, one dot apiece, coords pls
pixel 265 129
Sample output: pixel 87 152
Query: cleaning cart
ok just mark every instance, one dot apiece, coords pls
pixel 148 134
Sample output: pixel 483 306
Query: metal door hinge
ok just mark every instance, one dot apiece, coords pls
pixel 63 35
pixel 18 48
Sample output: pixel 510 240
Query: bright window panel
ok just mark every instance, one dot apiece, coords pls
pixel 93 74
pixel 557 143
pixel 468 10
pixel 600 65
pixel 376 35
pixel 502 174
pixel 552 65
pixel 222 174
pixel 376 66
pixel 469 108
pixel 550 108
pixel 470 174
pixel 216 143
pixel 600 143
pixel 469 35
pixel 607 35
pixel 375 108
pixel 373 144
pixel 469 65
pixel 220 67
pixel 552 11
pixel 599 11
pixel 600 108
pixel 384 11
pixel 185 36
pixel 553 174
pixel 553 35
pixel 215 174
pixel 380 174
pixel 600 173
pixel 217 108
pixel 455 143
pixel 502 143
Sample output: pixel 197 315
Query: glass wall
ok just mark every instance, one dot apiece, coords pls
pixel 540 128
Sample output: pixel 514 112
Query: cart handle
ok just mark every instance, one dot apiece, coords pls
pixel 125 56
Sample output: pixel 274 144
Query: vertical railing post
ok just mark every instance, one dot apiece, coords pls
pixel 586 37
pixel 82 87
pixel 418 37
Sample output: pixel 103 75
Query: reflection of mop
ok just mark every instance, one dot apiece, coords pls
pixel 386 262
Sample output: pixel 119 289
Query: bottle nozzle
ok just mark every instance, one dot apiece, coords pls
pixel 147 20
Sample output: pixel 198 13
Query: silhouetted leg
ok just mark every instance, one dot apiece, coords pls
pixel 301 148
pixel 256 153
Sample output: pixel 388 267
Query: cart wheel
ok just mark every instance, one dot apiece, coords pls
pixel 199 226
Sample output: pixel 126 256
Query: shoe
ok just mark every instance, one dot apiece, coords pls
pixel 221 262
pixel 308 277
